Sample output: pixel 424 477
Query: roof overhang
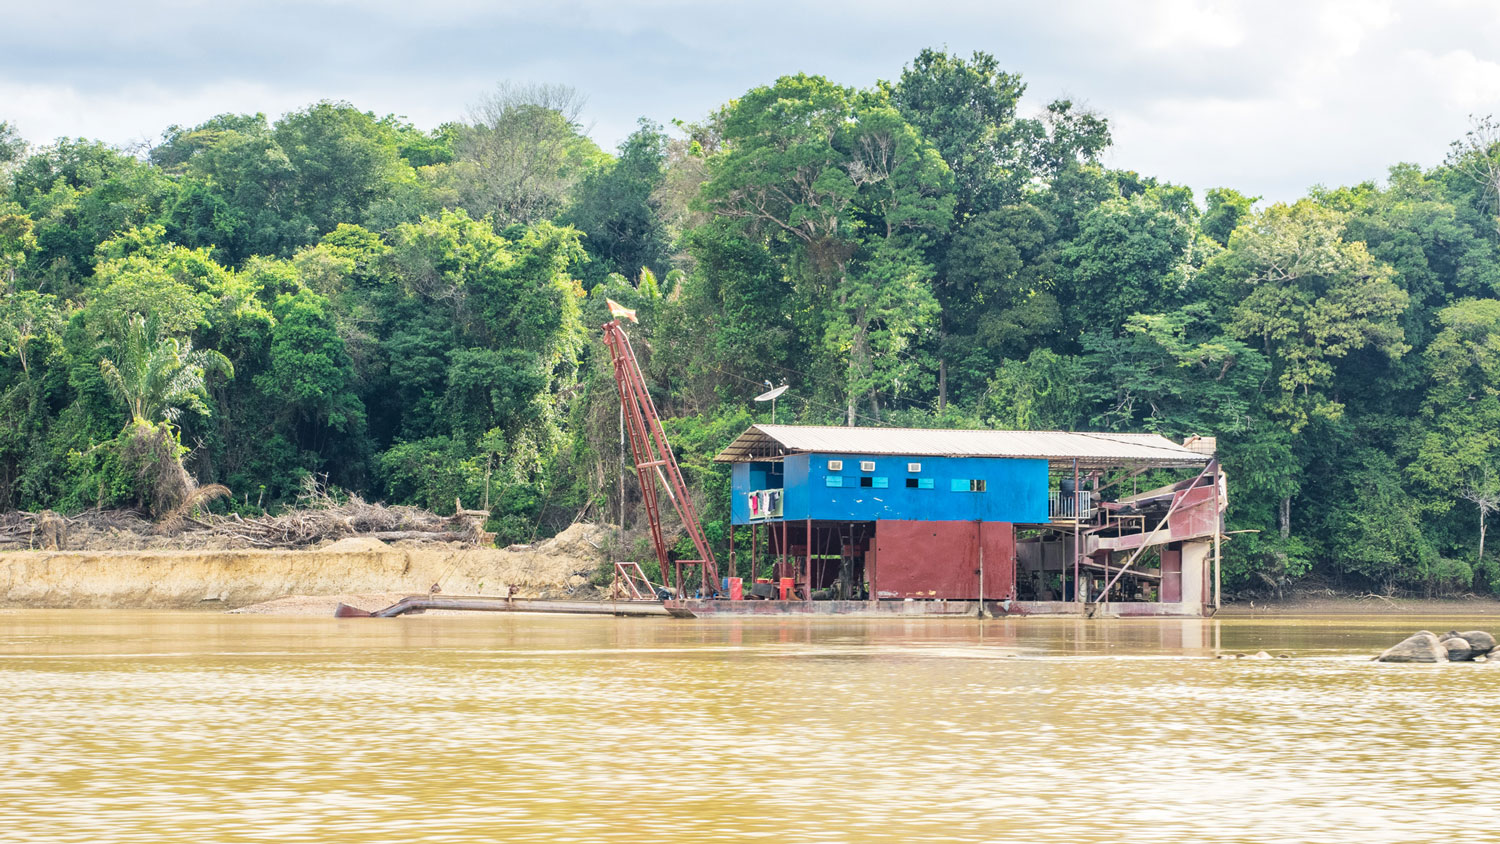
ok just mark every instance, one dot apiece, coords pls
pixel 1060 448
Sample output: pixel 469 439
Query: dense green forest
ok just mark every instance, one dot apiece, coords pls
pixel 413 315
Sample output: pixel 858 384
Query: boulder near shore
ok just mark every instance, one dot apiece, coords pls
pixel 1453 646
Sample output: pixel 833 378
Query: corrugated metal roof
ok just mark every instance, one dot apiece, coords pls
pixel 1091 450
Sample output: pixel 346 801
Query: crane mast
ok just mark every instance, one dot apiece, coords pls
pixel 654 461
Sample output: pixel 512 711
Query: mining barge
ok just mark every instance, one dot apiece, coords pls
pixel 893 521
pixel 900 522
pixel 881 520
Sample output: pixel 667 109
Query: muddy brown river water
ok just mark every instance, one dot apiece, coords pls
pixel 168 727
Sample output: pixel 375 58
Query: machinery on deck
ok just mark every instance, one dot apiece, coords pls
pixel 654 462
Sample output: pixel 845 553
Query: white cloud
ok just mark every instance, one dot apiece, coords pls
pixel 1460 78
pixel 1190 24
pixel 1270 97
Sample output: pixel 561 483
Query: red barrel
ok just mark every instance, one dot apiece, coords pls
pixel 736 589
pixel 786 588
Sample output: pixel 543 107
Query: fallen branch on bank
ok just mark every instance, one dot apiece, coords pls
pixel 320 518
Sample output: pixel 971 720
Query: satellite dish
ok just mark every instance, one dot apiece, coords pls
pixel 770 395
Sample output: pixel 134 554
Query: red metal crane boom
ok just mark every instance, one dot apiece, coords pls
pixel 649 447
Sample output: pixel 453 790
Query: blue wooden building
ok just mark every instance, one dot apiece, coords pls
pixel 847 486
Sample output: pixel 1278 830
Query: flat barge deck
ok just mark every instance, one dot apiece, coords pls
pixel 693 608
pixel 933 608
pixel 482 603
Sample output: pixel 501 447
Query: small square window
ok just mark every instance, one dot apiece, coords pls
pixel 867 465
pixel 835 465
pixel 926 483
pixel 911 483
pixel 833 480
pixel 976 485
pixel 882 483
pixel 914 467
pixel 867 481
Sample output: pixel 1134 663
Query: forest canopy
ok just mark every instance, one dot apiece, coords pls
pixel 412 314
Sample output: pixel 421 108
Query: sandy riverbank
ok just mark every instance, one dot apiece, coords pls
pixel 363 569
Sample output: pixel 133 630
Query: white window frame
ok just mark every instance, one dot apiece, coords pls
pixel 914 467
pixel 867 465
pixel 835 465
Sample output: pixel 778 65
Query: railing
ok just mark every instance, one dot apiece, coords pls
pixel 766 503
pixel 631 584
pixel 1063 506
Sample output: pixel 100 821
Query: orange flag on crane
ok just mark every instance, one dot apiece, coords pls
pixel 619 311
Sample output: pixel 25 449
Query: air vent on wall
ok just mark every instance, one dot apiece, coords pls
pixel 914 467
pixel 835 465
pixel 867 465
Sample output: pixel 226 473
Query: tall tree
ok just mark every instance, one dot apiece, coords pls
pixel 1457 443
pixel 12 146
pixel 522 153
pixel 1477 156
pixel 1130 256
pixel 311 374
pixel 854 192
pixel 79 194
pixel 1227 208
pixel 967 109
pixel 1309 297
pixel 616 208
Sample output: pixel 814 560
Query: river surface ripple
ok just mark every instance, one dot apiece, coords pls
pixel 168 727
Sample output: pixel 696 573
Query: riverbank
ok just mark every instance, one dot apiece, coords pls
pixel 320 605
pixel 371 574
pixel 1362 605
pixel 364 568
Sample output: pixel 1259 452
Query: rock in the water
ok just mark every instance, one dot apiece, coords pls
pixel 1419 647
pixel 1261 655
pixel 1480 642
pixel 1458 650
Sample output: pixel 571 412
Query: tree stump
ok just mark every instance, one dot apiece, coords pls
pixel 51 531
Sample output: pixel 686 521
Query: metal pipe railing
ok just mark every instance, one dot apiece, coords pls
pixel 1062 505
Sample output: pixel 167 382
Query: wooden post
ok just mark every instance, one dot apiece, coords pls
pixel 754 551
pixel 1218 533
pixel 785 563
pixel 808 555
pixel 1077 548
pixel 979 543
pixel 1106 578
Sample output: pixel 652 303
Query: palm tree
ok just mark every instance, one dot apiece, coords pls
pixel 158 377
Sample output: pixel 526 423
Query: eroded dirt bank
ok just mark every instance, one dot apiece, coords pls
pixel 160 579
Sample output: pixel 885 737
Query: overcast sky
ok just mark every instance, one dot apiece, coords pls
pixel 1266 96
